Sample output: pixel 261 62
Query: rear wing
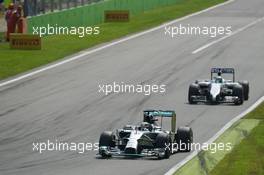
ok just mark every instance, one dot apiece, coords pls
pixel 223 71
pixel 160 113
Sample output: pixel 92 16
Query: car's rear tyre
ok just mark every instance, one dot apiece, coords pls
pixel 245 85
pixel 163 141
pixel 184 137
pixel 107 139
pixel 193 91
pixel 238 92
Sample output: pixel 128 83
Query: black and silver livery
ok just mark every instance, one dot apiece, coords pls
pixel 147 138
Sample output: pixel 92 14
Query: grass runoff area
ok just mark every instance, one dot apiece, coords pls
pixel 247 158
pixel 56 47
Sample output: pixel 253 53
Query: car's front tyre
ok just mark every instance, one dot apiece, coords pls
pixel 106 140
pixel 163 141
pixel 238 92
pixel 193 91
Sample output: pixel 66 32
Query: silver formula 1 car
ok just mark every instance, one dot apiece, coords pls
pixel 147 138
pixel 218 90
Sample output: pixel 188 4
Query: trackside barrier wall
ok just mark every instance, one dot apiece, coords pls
pixel 94 13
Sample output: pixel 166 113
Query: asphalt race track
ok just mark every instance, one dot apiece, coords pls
pixel 64 103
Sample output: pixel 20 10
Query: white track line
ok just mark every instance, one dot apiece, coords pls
pixel 212 139
pixel 228 36
pixel 106 46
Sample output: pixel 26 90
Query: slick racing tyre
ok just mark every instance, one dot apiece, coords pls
pixel 238 92
pixel 163 141
pixel 184 139
pixel 245 85
pixel 107 139
pixel 193 91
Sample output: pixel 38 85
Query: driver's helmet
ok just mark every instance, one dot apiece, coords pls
pixel 144 126
pixel 149 118
pixel 219 79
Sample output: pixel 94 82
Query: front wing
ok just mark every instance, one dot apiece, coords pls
pixel 106 151
pixel 205 99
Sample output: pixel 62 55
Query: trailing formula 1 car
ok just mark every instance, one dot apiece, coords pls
pixel 147 139
pixel 218 90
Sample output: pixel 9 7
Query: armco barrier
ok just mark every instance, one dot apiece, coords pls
pixel 94 13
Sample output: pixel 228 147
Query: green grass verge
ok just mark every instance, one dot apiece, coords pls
pixel 247 158
pixel 13 62
pixel 7 2
pixel 206 161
